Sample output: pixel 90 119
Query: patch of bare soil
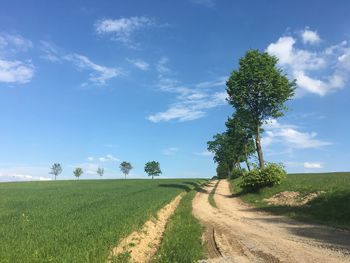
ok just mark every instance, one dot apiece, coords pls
pixel 290 198
pixel 243 234
pixel 142 245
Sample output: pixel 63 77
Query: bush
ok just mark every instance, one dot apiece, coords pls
pixel 271 175
pixel 235 173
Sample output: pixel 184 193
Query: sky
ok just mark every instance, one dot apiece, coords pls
pixel 92 83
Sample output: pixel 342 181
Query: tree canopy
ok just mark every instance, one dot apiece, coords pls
pixel 152 168
pixel 258 90
pixel 56 169
pixel 125 167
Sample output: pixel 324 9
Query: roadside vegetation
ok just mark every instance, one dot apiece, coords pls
pixel 182 237
pixel 77 221
pixel 331 206
pixel 211 195
pixel 258 91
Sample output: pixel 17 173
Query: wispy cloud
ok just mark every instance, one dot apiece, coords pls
pixel 170 151
pixel 98 75
pixel 106 158
pixel 308 65
pixel 204 153
pixel 123 29
pixel 313 165
pixel 13 43
pixel 24 173
pixel 139 63
pixel 191 101
pixel 290 136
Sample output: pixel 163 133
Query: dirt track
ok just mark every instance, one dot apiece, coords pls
pixel 243 234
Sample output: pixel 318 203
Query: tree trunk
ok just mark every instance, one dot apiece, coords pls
pixel 258 148
pixel 152 176
pixel 125 176
pixel 246 158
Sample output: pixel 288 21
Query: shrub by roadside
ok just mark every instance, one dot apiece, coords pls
pixel 272 174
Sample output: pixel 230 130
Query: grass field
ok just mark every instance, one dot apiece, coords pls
pixel 76 221
pixel 182 237
pixel 331 208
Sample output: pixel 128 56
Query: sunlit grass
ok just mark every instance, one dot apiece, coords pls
pixel 76 221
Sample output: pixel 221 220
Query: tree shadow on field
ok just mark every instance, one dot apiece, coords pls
pixel 192 183
pixel 178 186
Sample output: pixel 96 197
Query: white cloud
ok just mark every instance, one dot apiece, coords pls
pixel 11 44
pixel 316 71
pixel 16 71
pixel 313 165
pixel 123 29
pixel 140 64
pixel 218 82
pixel 310 37
pixel 204 153
pixel 170 151
pixel 99 74
pixel 12 70
pixel 191 102
pixel 290 136
pixel 106 158
pixel 24 173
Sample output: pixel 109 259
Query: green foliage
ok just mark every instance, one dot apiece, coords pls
pixel 259 88
pixel 68 221
pixel 271 174
pixel 222 170
pixel 258 91
pixel 78 172
pixel 331 208
pixel 152 168
pixel 100 171
pixel 182 237
pixel 236 172
pixel 56 169
pixel 125 167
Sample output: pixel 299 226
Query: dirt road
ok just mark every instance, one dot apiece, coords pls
pixel 243 234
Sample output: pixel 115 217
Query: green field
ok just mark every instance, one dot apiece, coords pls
pixel 331 208
pixel 182 238
pixel 77 221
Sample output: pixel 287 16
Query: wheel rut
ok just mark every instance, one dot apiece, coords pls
pixel 237 232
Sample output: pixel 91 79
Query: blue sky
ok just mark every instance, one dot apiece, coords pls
pixel 93 83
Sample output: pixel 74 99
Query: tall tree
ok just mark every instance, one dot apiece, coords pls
pixel 224 151
pixel 100 171
pixel 241 136
pixel 125 167
pixel 152 168
pixel 56 169
pixel 259 90
pixel 78 172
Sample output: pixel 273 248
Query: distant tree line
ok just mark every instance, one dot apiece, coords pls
pixel 152 168
pixel 258 91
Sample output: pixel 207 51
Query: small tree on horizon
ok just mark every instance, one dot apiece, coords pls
pixel 258 90
pixel 152 169
pixel 56 169
pixel 78 172
pixel 125 167
pixel 100 171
